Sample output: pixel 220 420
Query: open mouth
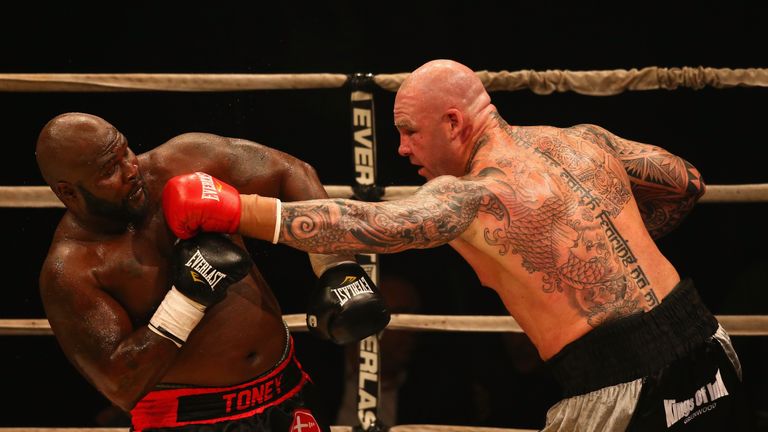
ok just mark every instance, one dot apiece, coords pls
pixel 136 192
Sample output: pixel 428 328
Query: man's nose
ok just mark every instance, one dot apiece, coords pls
pixel 131 169
pixel 404 149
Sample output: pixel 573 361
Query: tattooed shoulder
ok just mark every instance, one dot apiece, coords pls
pixel 595 135
pixel 449 186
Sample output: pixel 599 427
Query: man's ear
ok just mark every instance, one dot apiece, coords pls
pixel 65 191
pixel 455 121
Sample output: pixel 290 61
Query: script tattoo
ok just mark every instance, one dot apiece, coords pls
pixel 665 186
pixel 436 214
pixel 560 223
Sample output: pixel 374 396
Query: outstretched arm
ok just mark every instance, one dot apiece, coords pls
pixel 253 168
pixel 298 181
pixel 436 214
pixel 665 186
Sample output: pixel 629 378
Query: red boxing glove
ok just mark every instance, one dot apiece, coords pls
pixel 200 202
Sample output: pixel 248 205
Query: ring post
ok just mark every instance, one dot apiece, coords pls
pixel 366 189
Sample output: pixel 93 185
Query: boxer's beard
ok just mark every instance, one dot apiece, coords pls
pixel 120 212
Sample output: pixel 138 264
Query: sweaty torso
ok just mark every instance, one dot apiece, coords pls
pixel 563 242
pixel 238 338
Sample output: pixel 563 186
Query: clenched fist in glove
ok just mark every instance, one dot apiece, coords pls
pixel 204 267
pixel 200 202
pixel 346 306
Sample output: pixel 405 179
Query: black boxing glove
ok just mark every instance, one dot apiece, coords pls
pixel 346 306
pixel 204 267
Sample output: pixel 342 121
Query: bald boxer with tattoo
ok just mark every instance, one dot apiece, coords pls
pixel 183 333
pixel 561 223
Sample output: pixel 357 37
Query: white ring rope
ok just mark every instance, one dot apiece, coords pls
pixel 607 82
pixel 166 82
pixel 593 83
pixel 736 325
pixel 42 196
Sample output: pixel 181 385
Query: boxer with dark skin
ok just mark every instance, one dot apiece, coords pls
pixel 109 264
pixel 561 223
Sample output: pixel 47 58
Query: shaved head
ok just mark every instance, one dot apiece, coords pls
pixel 443 84
pixel 68 141
pixel 441 111
pixel 87 163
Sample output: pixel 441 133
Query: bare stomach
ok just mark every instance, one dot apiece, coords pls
pixel 555 311
pixel 237 340
pixel 554 319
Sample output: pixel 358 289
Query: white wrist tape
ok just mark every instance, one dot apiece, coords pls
pixel 278 220
pixel 176 316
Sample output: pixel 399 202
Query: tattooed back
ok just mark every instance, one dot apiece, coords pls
pixel 559 234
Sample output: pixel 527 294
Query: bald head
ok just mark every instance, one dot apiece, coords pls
pixel 68 141
pixel 441 111
pixel 446 84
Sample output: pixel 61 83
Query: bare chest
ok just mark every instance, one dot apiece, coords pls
pixel 135 269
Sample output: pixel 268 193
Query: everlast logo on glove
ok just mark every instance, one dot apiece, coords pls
pixel 203 268
pixel 346 306
pixel 206 264
pixel 209 189
pixel 357 287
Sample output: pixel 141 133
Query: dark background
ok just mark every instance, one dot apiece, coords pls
pixel 466 378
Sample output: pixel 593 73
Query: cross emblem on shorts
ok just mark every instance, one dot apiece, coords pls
pixel 304 421
pixel 299 427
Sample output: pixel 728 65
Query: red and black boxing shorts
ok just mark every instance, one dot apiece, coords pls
pixel 275 400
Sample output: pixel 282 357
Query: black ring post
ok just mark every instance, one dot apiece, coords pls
pixel 366 189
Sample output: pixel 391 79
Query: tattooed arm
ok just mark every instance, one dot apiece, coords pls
pixel 665 186
pixel 436 214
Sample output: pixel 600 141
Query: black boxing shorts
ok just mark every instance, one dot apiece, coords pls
pixel 274 401
pixel 670 368
pixel 700 392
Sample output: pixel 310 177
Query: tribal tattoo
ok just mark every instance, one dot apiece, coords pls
pixel 436 214
pixel 665 186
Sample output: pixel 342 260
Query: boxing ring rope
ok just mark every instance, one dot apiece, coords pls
pixel 736 325
pixel 594 83
pixel 42 196
pixel 166 82
pixel 608 82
